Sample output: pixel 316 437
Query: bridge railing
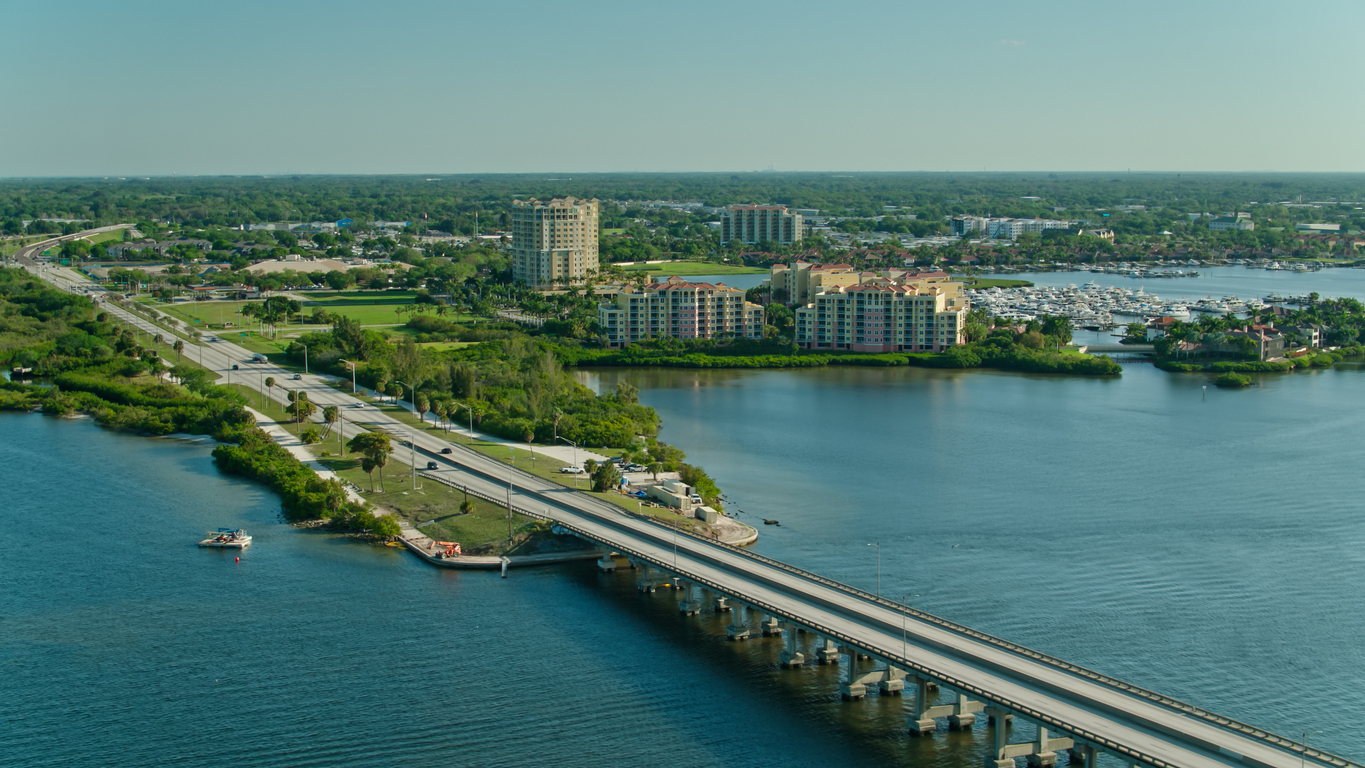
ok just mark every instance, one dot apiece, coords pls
pixel 1097 677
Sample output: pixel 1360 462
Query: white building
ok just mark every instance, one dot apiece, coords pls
pixel 554 242
pixel 754 224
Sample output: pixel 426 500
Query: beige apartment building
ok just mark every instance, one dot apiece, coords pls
pixel 801 282
pixel 908 313
pixel 755 224
pixel 555 242
pixel 675 308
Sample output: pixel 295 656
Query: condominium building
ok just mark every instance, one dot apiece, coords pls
pixel 1010 228
pixel 754 224
pixel 678 309
pixel 554 242
pixel 885 315
pixel 800 282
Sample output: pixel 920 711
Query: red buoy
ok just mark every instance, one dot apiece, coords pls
pixel 238 559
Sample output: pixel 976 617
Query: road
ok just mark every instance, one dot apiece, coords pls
pixel 1122 720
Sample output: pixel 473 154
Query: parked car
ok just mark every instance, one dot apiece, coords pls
pixel 571 470
pixel 447 450
pixel 635 468
pixel 431 465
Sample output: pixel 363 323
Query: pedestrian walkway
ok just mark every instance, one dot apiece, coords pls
pixel 296 447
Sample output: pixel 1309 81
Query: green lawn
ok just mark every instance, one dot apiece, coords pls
pixel 992 282
pixel 442 346
pixel 434 508
pixel 105 237
pixel 545 467
pixel 378 309
pixel 686 268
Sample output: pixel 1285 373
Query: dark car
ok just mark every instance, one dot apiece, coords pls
pixel 447 450
pixel 234 367
pixel 431 465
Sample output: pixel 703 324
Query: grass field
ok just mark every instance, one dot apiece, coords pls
pixel 993 282
pixel 686 268
pixel 374 309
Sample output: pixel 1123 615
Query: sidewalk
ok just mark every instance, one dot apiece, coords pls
pixel 292 444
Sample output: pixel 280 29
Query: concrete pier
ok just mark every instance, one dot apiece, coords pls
pixel 607 564
pixel 893 683
pixel 769 627
pixel 722 604
pixel 690 605
pixel 850 686
pixel 826 652
pixel 791 657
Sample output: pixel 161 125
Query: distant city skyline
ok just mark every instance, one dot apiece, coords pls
pixel 155 88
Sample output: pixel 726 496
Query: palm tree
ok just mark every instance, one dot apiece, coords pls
pixel 466 507
pixel 529 435
pixel 367 464
pixel 375 447
pixel 422 405
pixel 440 410
pixel 179 347
pixel 330 415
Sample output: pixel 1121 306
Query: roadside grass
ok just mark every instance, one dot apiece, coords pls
pixel 105 237
pixel 442 346
pixel 546 467
pixel 434 508
pixel 686 268
pixel 379 309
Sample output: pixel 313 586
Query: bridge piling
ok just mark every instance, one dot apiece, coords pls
pixel 850 687
pixel 690 605
pixel 608 563
pixel 737 630
pixel 791 657
pixel 826 652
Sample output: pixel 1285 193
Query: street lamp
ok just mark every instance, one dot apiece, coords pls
pixel 411 389
pixel 412 457
pixel 471 421
pixel 879 567
pixel 350 365
pixel 575 456
pixel 305 355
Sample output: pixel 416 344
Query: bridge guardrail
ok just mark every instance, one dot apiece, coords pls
pixel 1106 680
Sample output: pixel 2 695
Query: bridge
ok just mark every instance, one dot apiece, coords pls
pixel 1139 350
pixel 946 673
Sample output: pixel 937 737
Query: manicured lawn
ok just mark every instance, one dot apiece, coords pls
pixel 686 268
pixel 992 282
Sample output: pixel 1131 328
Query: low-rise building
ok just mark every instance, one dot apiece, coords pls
pixel 919 312
pixel 676 308
pixel 1317 227
pixel 1238 223
pixel 962 226
pixel 675 494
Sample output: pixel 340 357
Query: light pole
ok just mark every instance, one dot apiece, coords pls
pixel 1303 756
pixel 411 389
pixel 575 457
pixel 412 458
pixel 305 356
pixel 351 365
pixel 879 567
pixel 471 421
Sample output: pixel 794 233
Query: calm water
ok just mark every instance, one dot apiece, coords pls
pixel 1222 281
pixel 1206 546
pixel 1209 546
pixel 123 644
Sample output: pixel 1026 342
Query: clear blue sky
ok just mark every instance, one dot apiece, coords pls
pixel 155 87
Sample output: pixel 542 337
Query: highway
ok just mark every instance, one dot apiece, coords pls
pixel 1136 726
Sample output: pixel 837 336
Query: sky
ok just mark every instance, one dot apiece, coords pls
pixel 161 87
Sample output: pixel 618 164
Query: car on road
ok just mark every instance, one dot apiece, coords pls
pixel 213 338
pixel 447 450
pixel 431 465
pixel 357 405
pixel 571 470
pixel 234 367
pixel 259 358
pixel 298 377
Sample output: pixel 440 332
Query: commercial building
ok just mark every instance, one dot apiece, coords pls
pixel 983 226
pixel 1311 227
pixel 554 242
pixel 675 308
pixel 912 312
pixel 1241 223
pixel 755 224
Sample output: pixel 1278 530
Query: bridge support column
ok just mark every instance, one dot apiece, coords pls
pixel 722 604
pixel 607 563
pixel 893 683
pixel 826 652
pixel 1084 755
pixel 769 626
pixel 850 687
pixel 689 605
pixel 919 724
pixel 738 630
pixel 1043 756
pixel 963 719
pixel 791 651
pixel 647 582
pixel 1000 720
